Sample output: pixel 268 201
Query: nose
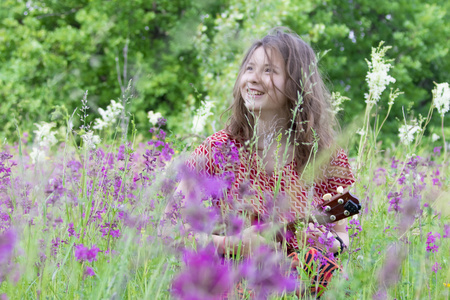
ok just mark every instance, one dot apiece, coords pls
pixel 253 77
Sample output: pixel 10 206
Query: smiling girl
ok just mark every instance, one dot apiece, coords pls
pixel 281 119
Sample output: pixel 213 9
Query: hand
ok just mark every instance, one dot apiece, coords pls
pixel 249 240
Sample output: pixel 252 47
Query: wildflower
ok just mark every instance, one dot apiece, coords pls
pixel 161 122
pixel 71 231
pixel 90 140
pixel 406 133
pixel 89 271
pixel 355 226
pixel 378 77
pixel 431 242
pixel 336 101
pixel 7 242
pixel 446 231
pixel 109 116
pixel 393 95
pixel 234 225
pixel 390 272
pixel 199 121
pixel 435 137
pixel 441 97
pixel 437 150
pixel 154 117
pixel 394 201
pixel 204 277
pixel 83 253
pixel 45 137
pixel 201 218
pixel 265 273
pixel 436 267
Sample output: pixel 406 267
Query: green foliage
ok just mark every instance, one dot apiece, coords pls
pixel 53 51
pixel 179 52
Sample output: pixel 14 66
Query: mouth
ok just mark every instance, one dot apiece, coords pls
pixel 254 93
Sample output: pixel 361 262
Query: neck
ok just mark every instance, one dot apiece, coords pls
pixel 267 133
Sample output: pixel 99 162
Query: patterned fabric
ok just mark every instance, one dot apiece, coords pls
pixel 317 265
pixel 251 190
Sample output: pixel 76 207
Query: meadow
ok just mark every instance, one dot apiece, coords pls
pixel 81 211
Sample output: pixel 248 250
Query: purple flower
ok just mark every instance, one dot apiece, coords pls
pixel 390 272
pixel 380 176
pixel 83 253
pixel 7 242
pixel 437 150
pixel 121 154
pixel 394 163
pixel 355 226
pixel 201 218
pixel 446 231
pixel 89 271
pixel 234 225
pixel 395 199
pixel 431 242
pixel 436 267
pixel 204 277
pixel 266 273
pixel 161 121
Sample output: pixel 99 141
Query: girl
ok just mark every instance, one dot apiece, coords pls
pixel 281 121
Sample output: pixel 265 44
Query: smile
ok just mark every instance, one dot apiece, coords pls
pixel 251 92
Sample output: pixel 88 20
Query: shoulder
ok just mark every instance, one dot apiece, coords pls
pixel 218 139
pixel 339 169
pixel 205 155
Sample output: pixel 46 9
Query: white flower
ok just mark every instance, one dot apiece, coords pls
pixel 406 133
pixel 435 137
pixel 204 111
pixel 378 77
pixel 393 95
pixel 109 116
pixel 153 117
pixel 90 140
pixel 45 137
pixel 361 132
pixel 441 97
pixel 37 155
pixel 336 101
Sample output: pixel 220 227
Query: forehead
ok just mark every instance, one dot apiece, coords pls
pixel 266 56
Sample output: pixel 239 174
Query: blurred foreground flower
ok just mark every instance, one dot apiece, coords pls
pixel 90 140
pixel 7 242
pixel 44 139
pixel 266 273
pixel 204 276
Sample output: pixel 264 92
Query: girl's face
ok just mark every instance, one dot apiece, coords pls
pixel 262 83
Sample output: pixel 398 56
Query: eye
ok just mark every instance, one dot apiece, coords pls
pixel 268 70
pixel 249 68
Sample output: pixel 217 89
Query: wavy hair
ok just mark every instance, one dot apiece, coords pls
pixel 308 104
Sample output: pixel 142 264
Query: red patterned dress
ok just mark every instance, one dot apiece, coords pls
pixel 252 191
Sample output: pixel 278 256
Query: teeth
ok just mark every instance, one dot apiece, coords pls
pixel 253 93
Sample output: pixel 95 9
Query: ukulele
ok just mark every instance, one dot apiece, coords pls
pixel 334 209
